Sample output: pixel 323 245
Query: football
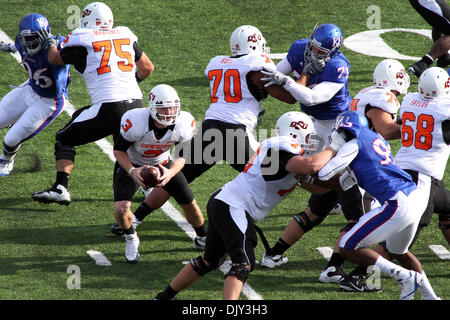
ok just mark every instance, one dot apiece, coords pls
pixel 150 176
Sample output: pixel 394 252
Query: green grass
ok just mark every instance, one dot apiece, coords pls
pixel 39 242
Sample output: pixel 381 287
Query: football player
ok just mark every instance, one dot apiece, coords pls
pixel 32 106
pixel 437 14
pixel 321 88
pixel 369 158
pixel 379 104
pixel 236 96
pixel 425 142
pixel 107 58
pixel 271 174
pixel 146 138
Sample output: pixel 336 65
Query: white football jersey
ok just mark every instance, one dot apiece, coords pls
pixel 423 148
pixel 377 97
pixel 146 148
pixel 110 66
pixel 250 191
pixel 231 99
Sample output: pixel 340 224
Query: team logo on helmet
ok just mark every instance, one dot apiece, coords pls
pixel 337 42
pixel 86 12
pixel 447 83
pixel 299 125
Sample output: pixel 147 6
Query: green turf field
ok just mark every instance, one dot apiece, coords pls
pixel 41 245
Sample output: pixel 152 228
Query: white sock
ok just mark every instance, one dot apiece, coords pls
pixel 391 269
pixel 426 290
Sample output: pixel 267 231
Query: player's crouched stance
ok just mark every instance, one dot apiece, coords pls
pixel 271 174
pixel 146 138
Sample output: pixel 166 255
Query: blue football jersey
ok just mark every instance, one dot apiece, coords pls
pixel 336 70
pixel 374 167
pixel 47 80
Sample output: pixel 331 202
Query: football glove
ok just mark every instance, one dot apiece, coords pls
pixel 347 179
pixel 273 77
pixel 314 66
pixel 5 47
pixel 46 39
pixel 337 140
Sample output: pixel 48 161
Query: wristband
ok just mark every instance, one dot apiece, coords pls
pixel 131 169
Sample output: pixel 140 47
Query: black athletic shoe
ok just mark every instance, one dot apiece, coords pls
pixel 418 68
pixel 357 283
pixel 116 230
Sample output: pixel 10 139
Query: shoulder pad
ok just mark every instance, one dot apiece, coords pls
pixel 134 123
pixel 185 127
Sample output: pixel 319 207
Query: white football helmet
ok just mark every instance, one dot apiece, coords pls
pixel 434 82
pixel 300 127
pixel 247 39
pixel 97 15
pixel 391 75
pixel 164 104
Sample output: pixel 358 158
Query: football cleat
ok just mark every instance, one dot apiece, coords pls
pixel 332 275
pixel 56 194
pixel 131 248
pixel 418 68
pixel 273 261
pixel 356 283
pixel 410 285
pixel 6 167
pixel 117 230
pixel 200 242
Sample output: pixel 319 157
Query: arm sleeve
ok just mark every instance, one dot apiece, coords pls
pixel 75 56
pixel 346 154
pixel 137 52
pixel 320 93
pixel 284 66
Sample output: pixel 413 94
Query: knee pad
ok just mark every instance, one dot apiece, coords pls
pixel 348 227
pixel 63 151
pixel 306 224
pixel 200 266
pixel 444 218
pixel 240 271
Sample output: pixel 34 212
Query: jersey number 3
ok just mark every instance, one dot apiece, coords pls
pixel 106 47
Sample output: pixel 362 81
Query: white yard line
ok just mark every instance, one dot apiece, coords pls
pixel 167 208
pixel 440 251
pixel 99 258
pixel 326 252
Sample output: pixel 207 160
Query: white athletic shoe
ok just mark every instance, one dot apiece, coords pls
pixel 200 242
pixel 56 194
pixel 131 248
pixel 331 275
pixel 273 261
pixel 6 167
pixel 410 285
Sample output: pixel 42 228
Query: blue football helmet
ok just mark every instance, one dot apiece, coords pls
pixel 352 122
pixel 28 35
pixel 327 39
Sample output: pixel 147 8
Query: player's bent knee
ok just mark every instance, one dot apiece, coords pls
pixel 201 267
pixel 240 271
pixel 444 221
pixel 305 222
pixel 63 151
